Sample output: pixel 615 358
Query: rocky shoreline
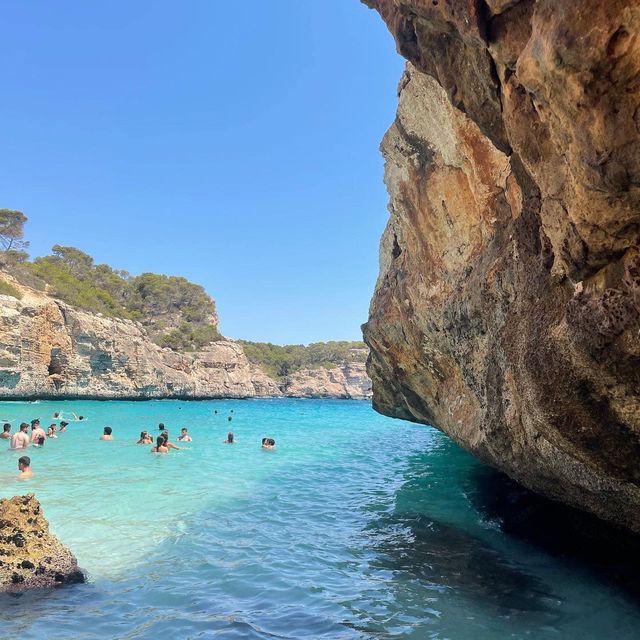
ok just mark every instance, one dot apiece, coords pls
pixel 49 349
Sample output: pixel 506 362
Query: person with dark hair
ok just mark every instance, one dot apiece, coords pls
pixel 161 426
pixel 268 443
pixel 51 432
pixel 39 442
pixel 230 418
pixel 169 445
pixel 6 431
pixel 184 436
pixel 106 434
pixel 24 465
pixel 63 426
pixel 145 438
pixel 20 440
pixel 230 438
pixel 36 430
pixel 160 447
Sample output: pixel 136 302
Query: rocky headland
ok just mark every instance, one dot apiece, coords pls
pixel 30 556
pixel 49 349
pixel 506 309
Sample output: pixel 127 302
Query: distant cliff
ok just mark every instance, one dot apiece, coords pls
pixel 507 308
pixel 51 349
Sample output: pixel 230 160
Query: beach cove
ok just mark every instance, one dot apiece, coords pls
pixel 356 526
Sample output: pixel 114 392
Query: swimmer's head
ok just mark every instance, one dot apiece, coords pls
pixel 6 427
pixel 24 462
pixel 35 423
pixel 108 431
pixel 229 418
pixel 160 442
pixel 161 426
pixel 184 430
pixel 41 440
pixel 165 436
pixel 24 426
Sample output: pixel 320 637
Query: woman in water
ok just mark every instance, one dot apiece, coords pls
pixel 268 443
pixel 160 446
pixel 51 431
pixel 145 438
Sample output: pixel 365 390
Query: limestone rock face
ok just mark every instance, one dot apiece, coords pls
pixel 50 349
pixel 349 381
pixel 30 556
pixel 506 309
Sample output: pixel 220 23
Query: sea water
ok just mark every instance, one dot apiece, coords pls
pixel 355 526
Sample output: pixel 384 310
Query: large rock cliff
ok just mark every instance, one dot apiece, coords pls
pixel 506 310
pixel 50 349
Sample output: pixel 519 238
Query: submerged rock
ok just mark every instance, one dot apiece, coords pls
pixel 506 310
pixel 30 556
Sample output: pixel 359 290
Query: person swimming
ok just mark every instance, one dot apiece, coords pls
pixel 24 465
pixel 20 440
pixel 51 431
pixel 6 431
pixel 160 447
pixel 145 438
pixel 268 443
pixel 184 436
pixel 63 426
pixel 230 438
pixel 169 445
pixel 230 418
pixel 57 415
pixel 77 418
pixel 106 434
pixel 161 427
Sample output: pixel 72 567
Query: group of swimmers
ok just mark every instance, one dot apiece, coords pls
pixel 22 439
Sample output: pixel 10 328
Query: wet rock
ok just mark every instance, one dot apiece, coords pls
pixel 30 556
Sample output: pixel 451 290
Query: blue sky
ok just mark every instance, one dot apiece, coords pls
pixel 234 143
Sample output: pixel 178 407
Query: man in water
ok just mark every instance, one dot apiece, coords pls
pixel 6 431
pixel 230 438
pixel 268 443
pixel 24 464
pixel 63 426
pixel 161 427
pixel 20 440
pixel 106 434
pixel 37 431
pixel 184 436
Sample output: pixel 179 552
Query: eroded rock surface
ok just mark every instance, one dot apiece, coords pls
pixel 49 349
pixel 506 310
pixel 30 556
pixel 349 381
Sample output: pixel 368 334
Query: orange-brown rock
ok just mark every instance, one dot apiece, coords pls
pixel 30 556
pixel 506 310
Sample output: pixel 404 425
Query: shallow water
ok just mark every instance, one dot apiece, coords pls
pixel 357 526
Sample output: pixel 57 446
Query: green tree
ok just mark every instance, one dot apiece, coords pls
pixel 12 230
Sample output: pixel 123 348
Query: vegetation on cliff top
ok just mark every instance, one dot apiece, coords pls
pixel 176 313
pixel 279 361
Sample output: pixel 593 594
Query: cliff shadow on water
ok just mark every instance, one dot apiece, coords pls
pixel 467 529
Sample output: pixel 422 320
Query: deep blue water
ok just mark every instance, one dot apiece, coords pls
pixel 357 526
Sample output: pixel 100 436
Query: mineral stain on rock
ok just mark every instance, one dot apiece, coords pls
pixel 507 308
pixel 30 556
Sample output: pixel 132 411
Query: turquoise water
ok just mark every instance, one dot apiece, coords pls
pixel 357 526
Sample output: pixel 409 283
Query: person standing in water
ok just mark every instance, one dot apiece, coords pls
pixel 169 445
pixel 184 436
pixel 20 440
pixel 160 446
pixel 106 434
pixel 230 438
pixel 36 430
pixel 63 426
pixel 51 432
pixel 24 465
pixel 145 438
pixel 6 431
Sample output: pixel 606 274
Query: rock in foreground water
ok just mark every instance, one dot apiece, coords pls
pixel 30 556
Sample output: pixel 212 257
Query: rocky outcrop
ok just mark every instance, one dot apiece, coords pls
pixel 49 349
pixel 349 381
pixel 506 310
pixel 30 556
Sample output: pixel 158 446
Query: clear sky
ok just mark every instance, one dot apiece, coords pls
pixel 234 143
